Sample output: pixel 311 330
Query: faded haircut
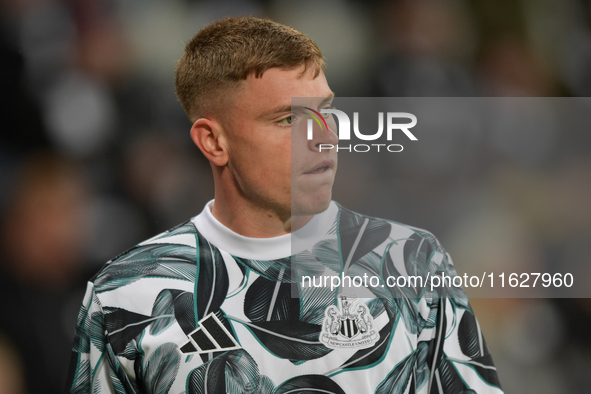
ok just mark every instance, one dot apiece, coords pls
pixel 229 50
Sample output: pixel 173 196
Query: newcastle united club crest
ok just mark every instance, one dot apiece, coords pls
pixel 350 326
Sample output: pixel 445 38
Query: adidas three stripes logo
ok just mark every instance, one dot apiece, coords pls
pixel 210 336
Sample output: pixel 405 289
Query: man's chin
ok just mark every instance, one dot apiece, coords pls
pixel 309 206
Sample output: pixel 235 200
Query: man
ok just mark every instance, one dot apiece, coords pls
pixel 209 306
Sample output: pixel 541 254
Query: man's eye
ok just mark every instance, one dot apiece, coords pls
pixel 326 115
pixel 285 121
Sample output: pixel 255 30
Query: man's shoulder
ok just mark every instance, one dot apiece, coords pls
pixel 170 254
pixel 354 222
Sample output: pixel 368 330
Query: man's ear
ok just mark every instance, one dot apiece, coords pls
pixel 208 135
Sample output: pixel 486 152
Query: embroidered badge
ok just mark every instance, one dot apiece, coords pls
pixel 350 326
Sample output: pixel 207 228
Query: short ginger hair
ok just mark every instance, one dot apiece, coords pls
pixel 229 50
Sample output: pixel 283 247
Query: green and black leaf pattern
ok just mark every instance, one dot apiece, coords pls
pixel 123 326
pixel 309 384
pixel 470 338
pixel 97 330
pixel 399 379
pixel 266 385
pixel 82 378
pixel 292 340
pixel 117 384
pixel 172 306
pixel 422 365
pixel 268 300
pixel 118 379
pixel 139 348
pixel 232 372
pixel 275 315
pixel 274 270
pixel 153 260
pixel 417 252
pixel 163 308
pixel 306 263
pixel 161 368
pixel 82 334
pixel 328 254
pixel 473 345
pixel 183 228
pixel 366 358
pixel 359 235
pixel 403 297
pixel 132 350
pixel 212 279
pixel 313 302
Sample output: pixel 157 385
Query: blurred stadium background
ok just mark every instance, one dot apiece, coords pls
pixel 95 155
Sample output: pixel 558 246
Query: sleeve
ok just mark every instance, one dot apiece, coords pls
pixel 459 360
pixel 92 367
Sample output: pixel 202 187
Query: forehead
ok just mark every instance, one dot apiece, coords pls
pixel 276 88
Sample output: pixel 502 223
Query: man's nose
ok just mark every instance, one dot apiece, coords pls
pixel 323 134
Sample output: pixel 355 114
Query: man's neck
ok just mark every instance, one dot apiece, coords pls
pixel 249 220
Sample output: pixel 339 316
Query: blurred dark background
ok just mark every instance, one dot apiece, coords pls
pixel 95 155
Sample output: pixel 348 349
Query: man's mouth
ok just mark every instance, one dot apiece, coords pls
pixel 321 167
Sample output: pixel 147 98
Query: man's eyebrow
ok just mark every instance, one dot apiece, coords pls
pixel 327 98
pixel 291 108
pixel 278 110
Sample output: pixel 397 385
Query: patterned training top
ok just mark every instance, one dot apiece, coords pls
pixel 201 309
